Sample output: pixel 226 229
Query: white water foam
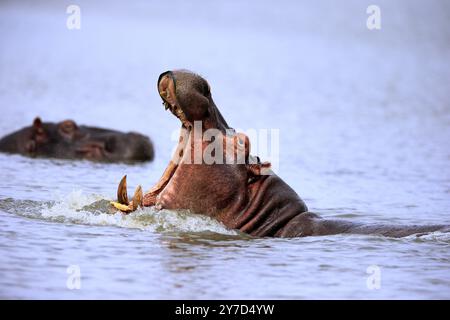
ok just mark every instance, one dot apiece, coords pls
pixel 436 236
pixel 68 208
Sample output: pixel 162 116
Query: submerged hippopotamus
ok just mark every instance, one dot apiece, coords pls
pixel 235 188
pixel 67 140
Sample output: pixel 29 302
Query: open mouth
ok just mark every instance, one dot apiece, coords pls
pixel 177 112
pixel 167 91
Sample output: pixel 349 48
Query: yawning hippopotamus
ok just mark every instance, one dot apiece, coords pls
pixel 229 184
pixel 67 140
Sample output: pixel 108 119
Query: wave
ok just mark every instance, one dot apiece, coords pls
pixel 436 236
pixel 90 209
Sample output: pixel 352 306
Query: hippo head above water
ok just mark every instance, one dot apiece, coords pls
pixel 231 189
pixel 188 96
pixel 239 191
pixel 67 140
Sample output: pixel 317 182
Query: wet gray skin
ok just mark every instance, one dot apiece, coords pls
pixel 67 140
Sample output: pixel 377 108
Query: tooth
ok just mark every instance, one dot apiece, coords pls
pixel 137 198
pixel 122 195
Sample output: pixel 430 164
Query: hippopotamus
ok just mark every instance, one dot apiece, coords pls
pixel 231 185
pixel 67 140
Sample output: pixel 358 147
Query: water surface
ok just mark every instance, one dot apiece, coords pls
pixel 364 120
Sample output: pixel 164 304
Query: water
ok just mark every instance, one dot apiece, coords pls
pixel 364 120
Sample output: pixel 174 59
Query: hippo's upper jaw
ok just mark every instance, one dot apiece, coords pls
pixel 188 96
pixel 167 91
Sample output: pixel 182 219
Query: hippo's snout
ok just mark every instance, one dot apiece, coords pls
pixel 141 147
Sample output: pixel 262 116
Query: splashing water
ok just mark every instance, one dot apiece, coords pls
pixel 80 208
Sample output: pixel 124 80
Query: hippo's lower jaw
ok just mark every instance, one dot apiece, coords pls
pixel 235 193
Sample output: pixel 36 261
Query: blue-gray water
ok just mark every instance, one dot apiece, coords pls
pixel 364 120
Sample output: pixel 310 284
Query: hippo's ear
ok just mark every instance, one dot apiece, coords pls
pixel 38 135
pixel 259 169
pixel 38 127
pixel 37 123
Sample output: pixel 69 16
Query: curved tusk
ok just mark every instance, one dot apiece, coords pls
pixel 138 199
pixel 122 194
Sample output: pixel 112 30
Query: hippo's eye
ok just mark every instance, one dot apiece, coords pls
pixel 68 126
pixel 68 129
pixel 206 89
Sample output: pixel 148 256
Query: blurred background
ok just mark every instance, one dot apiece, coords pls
pixel 364 115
